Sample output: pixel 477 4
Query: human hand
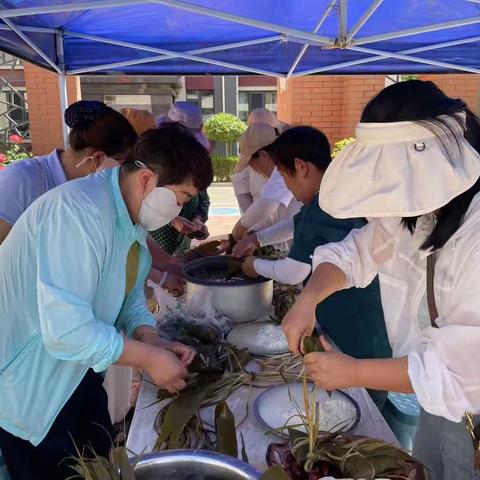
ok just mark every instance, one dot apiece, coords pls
pixel 174 285
pixel 202 232
pixel 330 369
pixel 141 120
pixel 183 226
pixel 245 246
pixel 299 322
pixel 182 351
pixel 167 371
pixel 224 246
pixel 248 268
pixel 239 231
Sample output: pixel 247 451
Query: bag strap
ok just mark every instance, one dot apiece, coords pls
pixel 432 306
pixel 472 429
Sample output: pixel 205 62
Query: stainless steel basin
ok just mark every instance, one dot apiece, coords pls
pixel 239 300
pixel 193 465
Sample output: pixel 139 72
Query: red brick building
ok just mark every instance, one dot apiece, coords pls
pixel 334 103
pixel 331 103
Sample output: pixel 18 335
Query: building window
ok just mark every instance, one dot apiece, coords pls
pixel 204 99
pixel 143 102
pixel 249 101
pixel 14 113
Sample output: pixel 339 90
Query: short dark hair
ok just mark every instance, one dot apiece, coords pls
pixel 303 142
pixel 95 125
pixel 423 102
pixel 174 154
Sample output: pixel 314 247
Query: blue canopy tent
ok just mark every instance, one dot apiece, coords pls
pixel 282 38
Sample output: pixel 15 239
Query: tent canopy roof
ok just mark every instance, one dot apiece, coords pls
pixel 273 37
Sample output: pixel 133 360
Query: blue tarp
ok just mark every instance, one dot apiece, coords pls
pixel 176 26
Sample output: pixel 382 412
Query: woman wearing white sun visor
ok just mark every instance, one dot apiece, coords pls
pixel 413 171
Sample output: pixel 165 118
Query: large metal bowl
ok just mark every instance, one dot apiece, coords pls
pixel 193 465
pixel 239 300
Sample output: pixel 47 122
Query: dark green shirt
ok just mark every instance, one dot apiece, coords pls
pixel 170 239
pixel 352 318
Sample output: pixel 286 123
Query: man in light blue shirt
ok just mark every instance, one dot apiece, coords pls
pixel 67 290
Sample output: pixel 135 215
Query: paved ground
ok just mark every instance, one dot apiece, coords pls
pixel 222 197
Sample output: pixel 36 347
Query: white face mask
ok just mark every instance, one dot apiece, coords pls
pixel 158 209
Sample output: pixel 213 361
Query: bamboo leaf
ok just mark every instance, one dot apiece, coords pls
pixel 225 430
pixel 181 410
pixel 121 459
pixel 312 344
pixel 274 473
pixel 99 471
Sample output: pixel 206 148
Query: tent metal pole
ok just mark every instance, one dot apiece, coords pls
pixel 160 58
pixel 136 46
pixel 328 68
pixel 409 58
pixel 232 66
pixel 70 7
pixel 442 45
pixel 24 28
pixel 78 6
pixel 315 30
pixel 418 30
pixel 32 45
pixel 62 85
pixel 169 53
pixel 363 19
pixel 342 21
pixel 385 55
pixel 210 12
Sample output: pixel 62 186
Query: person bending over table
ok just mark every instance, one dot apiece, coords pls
pixel 276 202
pixel 353 318
pixel 248 184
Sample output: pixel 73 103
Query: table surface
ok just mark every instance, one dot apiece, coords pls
pixel 142 435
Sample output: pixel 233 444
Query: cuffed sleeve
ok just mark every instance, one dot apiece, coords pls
pixel 286 271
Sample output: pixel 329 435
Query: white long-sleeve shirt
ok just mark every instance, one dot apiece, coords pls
pixel 248 186
pixel 278 233
pixel 443 363
pixel 275 204
pixel 287 270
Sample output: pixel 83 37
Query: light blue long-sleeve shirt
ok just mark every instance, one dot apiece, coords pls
pixel 62 298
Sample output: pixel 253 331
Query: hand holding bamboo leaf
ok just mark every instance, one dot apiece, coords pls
pixel 330 369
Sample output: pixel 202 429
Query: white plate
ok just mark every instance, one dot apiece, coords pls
pixel 278 407
pixel 261 338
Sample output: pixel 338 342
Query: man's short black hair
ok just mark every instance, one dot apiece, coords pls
pixel 174 154
pixel 303 142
